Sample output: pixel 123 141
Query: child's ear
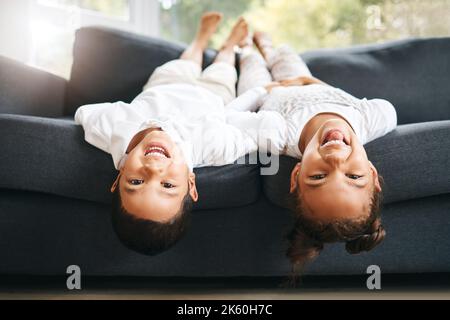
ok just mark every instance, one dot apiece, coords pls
pixel 116 182
pixel 376 180
pixel 192 187
pixel 294 177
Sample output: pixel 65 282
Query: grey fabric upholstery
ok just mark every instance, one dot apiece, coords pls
pixel 54 200
pixel 51 156
pixel 49 233
pixel 26 90
pixel 412 160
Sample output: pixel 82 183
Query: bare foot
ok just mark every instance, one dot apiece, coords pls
pixel 238 34
pixel 263 42
pixel 208 26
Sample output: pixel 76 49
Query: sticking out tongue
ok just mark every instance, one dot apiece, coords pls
pixel 334 135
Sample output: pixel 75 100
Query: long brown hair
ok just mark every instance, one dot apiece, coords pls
pixel 308 236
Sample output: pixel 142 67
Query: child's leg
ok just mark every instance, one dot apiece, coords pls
pixel 208 26
pixel 253 71
pixel 221 76
pixel 284 62
pixel 188 68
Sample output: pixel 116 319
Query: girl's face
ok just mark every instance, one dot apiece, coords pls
pixel 155 178
pixel 335 178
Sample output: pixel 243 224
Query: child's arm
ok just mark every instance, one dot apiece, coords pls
pixel 381 118
pixel 266 128
pixel 224 144
pixel 245 132
pixel 106 128
pixel 252 99
pixel 301 81
pixel 88 117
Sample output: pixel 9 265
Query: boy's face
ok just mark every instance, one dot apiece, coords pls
pixel 336 180
pixel 155 178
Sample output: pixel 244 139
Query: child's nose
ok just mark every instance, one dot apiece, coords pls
pixel 335 159
pixel 154 168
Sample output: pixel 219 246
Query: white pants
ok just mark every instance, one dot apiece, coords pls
pixel 219 78
pixel 284 64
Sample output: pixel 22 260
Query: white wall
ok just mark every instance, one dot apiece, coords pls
pixel 14 29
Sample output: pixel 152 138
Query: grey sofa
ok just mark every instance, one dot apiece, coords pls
pixel 54 199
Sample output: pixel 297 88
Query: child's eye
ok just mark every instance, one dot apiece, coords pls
pixel 167 185
pixel 354 176
pixel 136 182
pixel 317 176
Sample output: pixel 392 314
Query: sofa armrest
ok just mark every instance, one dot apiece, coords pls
pixel 29 91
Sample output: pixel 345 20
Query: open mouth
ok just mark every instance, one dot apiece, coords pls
pixel 334 137
pixel 157 151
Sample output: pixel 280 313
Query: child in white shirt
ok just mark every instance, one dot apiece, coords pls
pixel 336 190
pixel 176 124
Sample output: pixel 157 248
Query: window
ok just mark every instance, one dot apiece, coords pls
pixel 179 18
pixel 304 24
pixel 117 8
pixel 312 24
pixel 53 24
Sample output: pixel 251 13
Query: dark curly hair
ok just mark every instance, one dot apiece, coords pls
pixel 308 236
pixel 146 236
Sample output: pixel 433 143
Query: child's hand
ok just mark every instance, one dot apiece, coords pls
pixel 300 81
pixel 272 85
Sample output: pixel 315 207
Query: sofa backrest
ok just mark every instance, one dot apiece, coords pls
pixel 111 65
pixel 413 74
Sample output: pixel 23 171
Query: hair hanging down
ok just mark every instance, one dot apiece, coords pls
pixel 308 236
pixel 146 236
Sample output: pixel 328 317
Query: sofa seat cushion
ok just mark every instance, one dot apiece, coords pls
pixel 51 156
pixel 413 160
